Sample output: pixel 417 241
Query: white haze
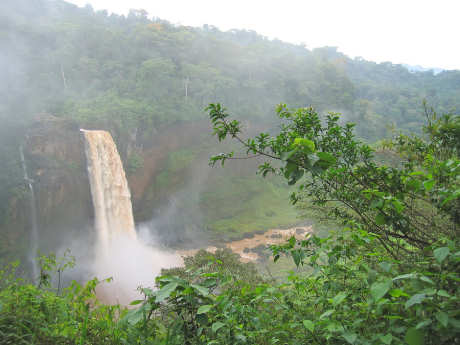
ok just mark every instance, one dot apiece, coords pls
pixel 414 32
pixel 131 263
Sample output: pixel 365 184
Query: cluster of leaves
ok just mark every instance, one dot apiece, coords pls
pixel 41 314
pixel 222 259
pixel 404 221
pixel 349 295
pixel 438 157
pixel 367 297
pixel 406 206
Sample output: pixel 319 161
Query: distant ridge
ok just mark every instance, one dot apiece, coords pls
pixel 418 68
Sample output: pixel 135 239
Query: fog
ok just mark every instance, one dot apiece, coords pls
pixel 131 263
pixel 178 221
pixel 124 265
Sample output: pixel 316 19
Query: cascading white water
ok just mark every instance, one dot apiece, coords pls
pixel 109 188
pixel 119 253
pixel 33 218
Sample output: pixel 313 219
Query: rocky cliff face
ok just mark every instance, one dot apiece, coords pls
pixel 56 160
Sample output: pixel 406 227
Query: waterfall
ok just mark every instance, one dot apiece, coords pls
pixel 33 218
pixel 109 188
pixel 119 254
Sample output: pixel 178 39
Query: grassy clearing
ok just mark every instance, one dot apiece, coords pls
pixel 230 201
pixel 233 206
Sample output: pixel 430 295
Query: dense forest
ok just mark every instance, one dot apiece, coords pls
pixel 382 265
pixel 132 74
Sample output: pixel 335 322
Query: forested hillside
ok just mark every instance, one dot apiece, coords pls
pixel 137 77
pixel 133 73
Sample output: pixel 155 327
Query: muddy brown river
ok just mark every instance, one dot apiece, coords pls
pixel 245 246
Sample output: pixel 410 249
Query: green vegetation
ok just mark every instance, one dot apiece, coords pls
pixel 245 205
pixel 207 263
pixel 383 271
pixel 388 276
pixel 135 75
pixel 47 315
pixel 172 176
pixel 135 162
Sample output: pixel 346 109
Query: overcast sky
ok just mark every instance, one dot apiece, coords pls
pixel 416 32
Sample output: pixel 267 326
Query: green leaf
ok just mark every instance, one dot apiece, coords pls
pixel 397 293
pixel 289 169
pixel 399 207
pixel 416 299
pixel 308 146
pixel 326 156
pixel 295 176
pixel 376 204
pixel 134 316
pixel 386 339
pixel 309 325
pixel 451 197
pixel 428 184
pixel 380 219
pixel 405 276
pixel 443 293
pixel 334 326
pixel 217 325
pixel 385 266
pixel 241 338
pixel 165 291
pixel 378 290
pixel 201 289
pixel 426 280
pixel 414 337
pixel 441 253
pixel 422 324
pixel 442 317
pixel 429 292
pixel 138 301
pixel 298 255
pixel 204 309
pixel 339 298
pixel 313 158
pixel 350 337
pixel 148 292
pixel 287 154
pixel 326 313
pixel 455 323
pixel 164 279
pixel 414 185
pixel 325 160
